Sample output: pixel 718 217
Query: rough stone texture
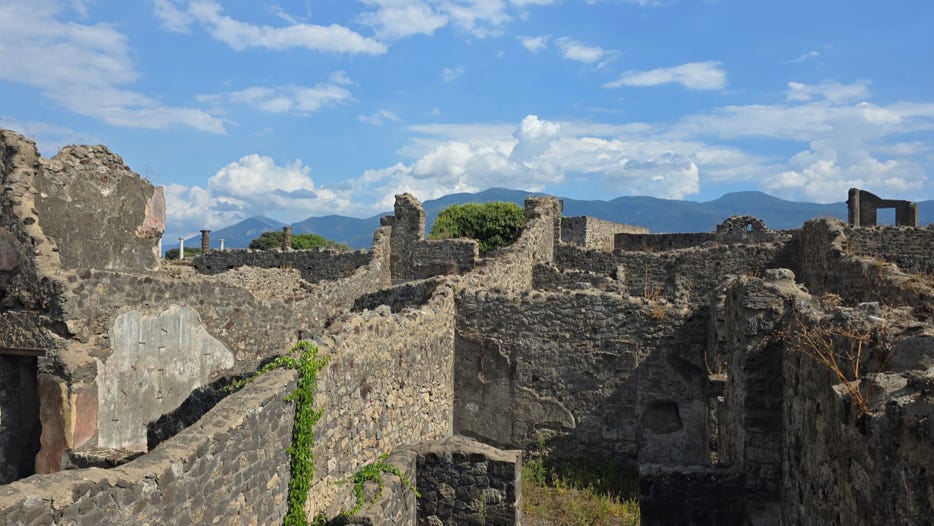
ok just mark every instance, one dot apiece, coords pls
pixel 464 482
pixel 693 495
pixel 122 217
pixel 590 232
pixel 398 297
pixel 397 505
pixel 389 383
pixel 151 370
pixel 413 257
pixel 862 207
pixel 232 467
pixel 315 265
pixel 582 370
pixel 830 262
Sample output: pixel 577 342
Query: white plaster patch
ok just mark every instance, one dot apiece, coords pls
pixel 155 363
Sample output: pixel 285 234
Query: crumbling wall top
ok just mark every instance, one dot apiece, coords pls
pixel 862 207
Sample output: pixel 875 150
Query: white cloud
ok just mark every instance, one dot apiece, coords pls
pixel 84 68
pixel 378 118
pixel 452 74
pixel 523 3
pixel 241 35
pixel 395 19
pixel 693 75
pixel 339 77
pixel 282 99
pixel 171 18
pixel 830 91
pixel 534 44
pixel 574 50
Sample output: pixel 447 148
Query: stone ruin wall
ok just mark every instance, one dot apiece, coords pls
pixel 315 265
pixel 590 232
pixel 581 371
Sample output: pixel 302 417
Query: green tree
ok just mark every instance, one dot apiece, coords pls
pixel 494 224
pixel 273 240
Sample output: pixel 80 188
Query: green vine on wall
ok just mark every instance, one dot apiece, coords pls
pixel 374 472
pixel 303 357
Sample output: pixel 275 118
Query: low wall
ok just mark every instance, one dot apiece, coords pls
pixel 232 467
pixel 909 248
pixel 684 277
pixel 661 242
pixel 828 263
pixel 590 232
pixel 594 374
pixel 315 265
pixel 690 495
pixel 442 256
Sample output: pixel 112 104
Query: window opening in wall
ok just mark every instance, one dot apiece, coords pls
pixel 885 216
pixel 748 227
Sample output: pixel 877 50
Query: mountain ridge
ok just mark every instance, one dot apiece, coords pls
pixel 659 215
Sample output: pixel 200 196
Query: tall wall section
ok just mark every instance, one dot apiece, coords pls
pixel 590 232
pixel 593 373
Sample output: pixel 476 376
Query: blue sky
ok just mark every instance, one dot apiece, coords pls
pixel 297 108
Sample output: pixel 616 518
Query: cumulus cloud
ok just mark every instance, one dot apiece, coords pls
pixel 534 44
pixel 178 15
pixel 84 68
pixel 396 19
pixel 693 75
pixel 574 50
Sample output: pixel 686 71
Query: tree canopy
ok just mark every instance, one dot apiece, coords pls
pixel 494 224
pixel 273 240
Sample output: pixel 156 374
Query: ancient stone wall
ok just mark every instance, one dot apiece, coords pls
pixel 549 277
pixel 685 277
pixel 909 248
pixel 389 383
pixel 826 263
pixel 590 232
pixel 231 467
pixel 465 482
pixel 595 374
pixel 661 242
pixel 690 495
pixel 172 332
pixel 512 268
pixel 315 265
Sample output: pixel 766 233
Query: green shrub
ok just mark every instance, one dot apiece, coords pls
pixel 172 253
pixel 273 240
pixel 494 224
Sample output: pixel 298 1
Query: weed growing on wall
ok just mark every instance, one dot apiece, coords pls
pixel 844 351
pixel 374 472
pixel 303 357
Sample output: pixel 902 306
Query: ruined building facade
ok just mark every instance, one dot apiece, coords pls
pixel 681 354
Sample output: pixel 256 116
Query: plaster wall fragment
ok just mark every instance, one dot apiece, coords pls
pixel 156 362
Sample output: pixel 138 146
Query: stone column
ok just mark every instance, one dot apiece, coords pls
pixel 286 238
pixel 181 248
pixel 205 241
pixel 222 245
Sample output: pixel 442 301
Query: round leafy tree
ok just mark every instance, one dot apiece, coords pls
pixel 273 240
pixel 494 224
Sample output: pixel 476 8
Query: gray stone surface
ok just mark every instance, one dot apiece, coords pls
pixel 155 362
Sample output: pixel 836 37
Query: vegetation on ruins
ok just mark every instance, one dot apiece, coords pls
pixel 494 224
pixel 172 253
pixel 303 358
pixel 846 350
pixel 579 492
pixel 273 240
pixel 373 472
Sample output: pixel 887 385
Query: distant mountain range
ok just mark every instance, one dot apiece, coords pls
pixel 659 215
